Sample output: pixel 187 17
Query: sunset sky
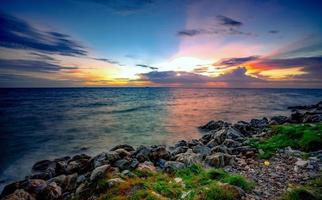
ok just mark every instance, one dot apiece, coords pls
pixel 177 43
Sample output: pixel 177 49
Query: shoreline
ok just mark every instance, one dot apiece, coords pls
pixel 223 145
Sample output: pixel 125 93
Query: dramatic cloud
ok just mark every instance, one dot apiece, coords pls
pixel 235 78
pixel 235 61
pixel 311 65
pixel 12 80
pixel 226 26
pixel 31 66
pixel 18 34
pixel 147 66
pixel 226 21
pixel 174 77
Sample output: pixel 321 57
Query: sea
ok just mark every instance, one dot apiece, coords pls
pixel 46 123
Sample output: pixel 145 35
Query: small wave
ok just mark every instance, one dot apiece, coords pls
pixel 130 109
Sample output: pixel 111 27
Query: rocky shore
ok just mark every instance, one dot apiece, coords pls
pixel 223 145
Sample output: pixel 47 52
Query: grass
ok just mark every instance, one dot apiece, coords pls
pixel 306 137
pixel 310 191
pixel 196 183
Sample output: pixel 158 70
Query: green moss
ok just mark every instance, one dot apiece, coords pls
pixel 216 192
pixel 197 183
pixel 306 137
pixel 239 181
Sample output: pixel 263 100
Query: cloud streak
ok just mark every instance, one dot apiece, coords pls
pixel 147 66
pixel 18 34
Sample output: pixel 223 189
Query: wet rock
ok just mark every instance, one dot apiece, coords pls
pixel 134 163
pixel 189 158
pixel 44 169
pixel 122 164
pixel 78 166
pixel 99 172
pixel 181 143
pixel 259 122
pixel 203 150
pixel 193 143
pixel 146 166
pixel 206 138
pixel 99 160
pixel 35 185
pixel 279 119
pixel 122 153
pixel 67 183
pixel 180 149
pixel 171 166
pixel 312 118
pixel 296 117
pixel 234 134
pixel 112 156
pixel 142 153
pixel 12 187
pixel 213 125
pixel 51 192
pixel 219 160
pixel 19 195
pixel 159 152
pixel 220 148
pixel 123 146
pixel 231 143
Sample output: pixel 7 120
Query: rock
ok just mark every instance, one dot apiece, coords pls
pixel 312 118
pixel 203 150
pixel 213 125
pixel 51 192
pixel 112 156
pixel 122 164
pixel 301 163
pixel 189 158
pixel 79 164
pixel 278 119
pixel 114 182
pixel 123 146
pixel 181 143
pixel 219 160
pixel 259 122
pixel 296 117
pixel 218 138
pixel 128 173
pixel 193 143
pixel 159 152
pixel 206 138
pixel 234 134
pixel 122 153
pixel 142 153
pixel 180 149
pixel 146 166
pixel 231 143
pixel 44 169
pixel 99 160
pixel 220 148
pixel 35 185
pixel 134 163
pixel 19 194
pixel 99 172
pixel 67 183
pixel 172 166
pixel 237 191
pixel 12 187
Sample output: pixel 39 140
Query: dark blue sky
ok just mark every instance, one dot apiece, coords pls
pixel 184 42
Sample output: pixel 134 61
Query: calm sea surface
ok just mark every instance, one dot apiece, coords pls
pixel 40 124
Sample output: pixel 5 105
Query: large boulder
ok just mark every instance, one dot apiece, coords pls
pixel 122 164
pixel 213 125
pixel 203 150
pixel 219 160
pixel 159 152
pixel 51 192
pixel 66 182
pixel 278 119
pixel 123 146
pixel 44 169
pixel 142 153
pixel 172 166
pixel 179 149
pixel 99 172
pixel 189 158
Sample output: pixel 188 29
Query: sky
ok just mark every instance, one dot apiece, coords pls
pixel 161 43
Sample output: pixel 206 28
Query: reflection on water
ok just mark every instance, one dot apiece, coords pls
pixel 46 123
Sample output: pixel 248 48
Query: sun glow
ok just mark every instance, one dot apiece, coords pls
pixel 183 64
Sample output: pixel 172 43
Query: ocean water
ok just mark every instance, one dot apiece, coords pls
pixel 40 124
